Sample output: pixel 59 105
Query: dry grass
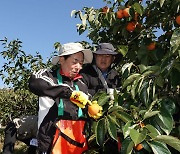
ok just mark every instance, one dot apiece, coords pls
pixel 20 148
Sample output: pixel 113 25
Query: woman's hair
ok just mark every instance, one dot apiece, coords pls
pixel 66 56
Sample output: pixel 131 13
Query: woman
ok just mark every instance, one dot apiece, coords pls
pixel 63 96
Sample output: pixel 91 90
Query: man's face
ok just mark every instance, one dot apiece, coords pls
pixel 72 65
pixel 103 61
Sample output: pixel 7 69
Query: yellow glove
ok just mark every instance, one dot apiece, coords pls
pixel 79 98
pixel 94 110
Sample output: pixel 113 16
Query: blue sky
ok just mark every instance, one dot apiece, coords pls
pixel 41 23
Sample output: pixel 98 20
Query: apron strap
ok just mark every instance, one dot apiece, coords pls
pixel 70 140
pixel 61 104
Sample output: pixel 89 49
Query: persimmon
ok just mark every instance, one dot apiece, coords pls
pixel 139 147
pixel 93 109
pixel 151 46
pixel 178 19
pixel 126 12
pixel 105 9
pixel 120 14
pixel 131 26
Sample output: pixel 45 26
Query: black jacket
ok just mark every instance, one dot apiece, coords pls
pixel 44 84
pixel 92 80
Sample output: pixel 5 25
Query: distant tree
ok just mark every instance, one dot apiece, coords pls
pixel 16 100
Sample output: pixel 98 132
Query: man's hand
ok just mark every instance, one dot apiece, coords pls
pixel 79 98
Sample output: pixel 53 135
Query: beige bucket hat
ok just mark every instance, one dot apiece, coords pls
pixel 72 48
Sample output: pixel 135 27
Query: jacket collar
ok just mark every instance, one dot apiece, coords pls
pixel 78 76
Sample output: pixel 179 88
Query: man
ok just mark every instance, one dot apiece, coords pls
pixel 100 75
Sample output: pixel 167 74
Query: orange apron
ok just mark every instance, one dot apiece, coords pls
pixel 69 137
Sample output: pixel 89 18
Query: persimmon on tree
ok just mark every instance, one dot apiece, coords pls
pixel 178 19
pixel 120 14
pixel 151 46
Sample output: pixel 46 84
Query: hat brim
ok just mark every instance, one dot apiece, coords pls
pixel 88 56
pixel 105 52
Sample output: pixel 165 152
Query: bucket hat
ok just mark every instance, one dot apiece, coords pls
pixel 72 48
pixel 105 48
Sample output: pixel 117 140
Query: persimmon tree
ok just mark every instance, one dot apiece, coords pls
pixel 15 99
pixel 145 113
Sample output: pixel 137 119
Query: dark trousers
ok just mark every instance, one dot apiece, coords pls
pixel 10 139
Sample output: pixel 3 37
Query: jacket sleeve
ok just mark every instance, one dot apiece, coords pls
pixel 41 83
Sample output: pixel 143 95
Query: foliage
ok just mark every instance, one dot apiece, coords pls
pixel 146 110
pixel 18 64
pixel 16 103
pixel 17 100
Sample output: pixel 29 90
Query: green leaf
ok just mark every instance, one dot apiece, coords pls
pixel 161 2
pixel 101 97
pixel 136 136
pixel 140 84
pixel 159 148
pixel 177 66
pixel 115 30
pixel 126 129
pixel 134 87
pixel 123 49
pixel 165 122
pixel 152 130
pixel 149 114
pixel 100 131
pixel 91 16
pixel 175 40
pixel 170 140
pixel 127 146
pixel 127 67
pixel 113 119
pixel 166 66
pixel 159 81
pixel 84 17
pixel 147 73
pixel 168 105
pixel 144 93
pixel 130 79
pixel 130 148
pixel 103 100
pixel 166 119
pixel 116 108
pixel 73 12
pixel 174 77
pixel 123 116
pixel 138 8
pixel 112 129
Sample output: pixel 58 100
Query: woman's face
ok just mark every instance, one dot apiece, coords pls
pixel 103 61
pixel 72 65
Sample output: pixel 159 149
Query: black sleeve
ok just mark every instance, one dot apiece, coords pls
pixel 42 84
